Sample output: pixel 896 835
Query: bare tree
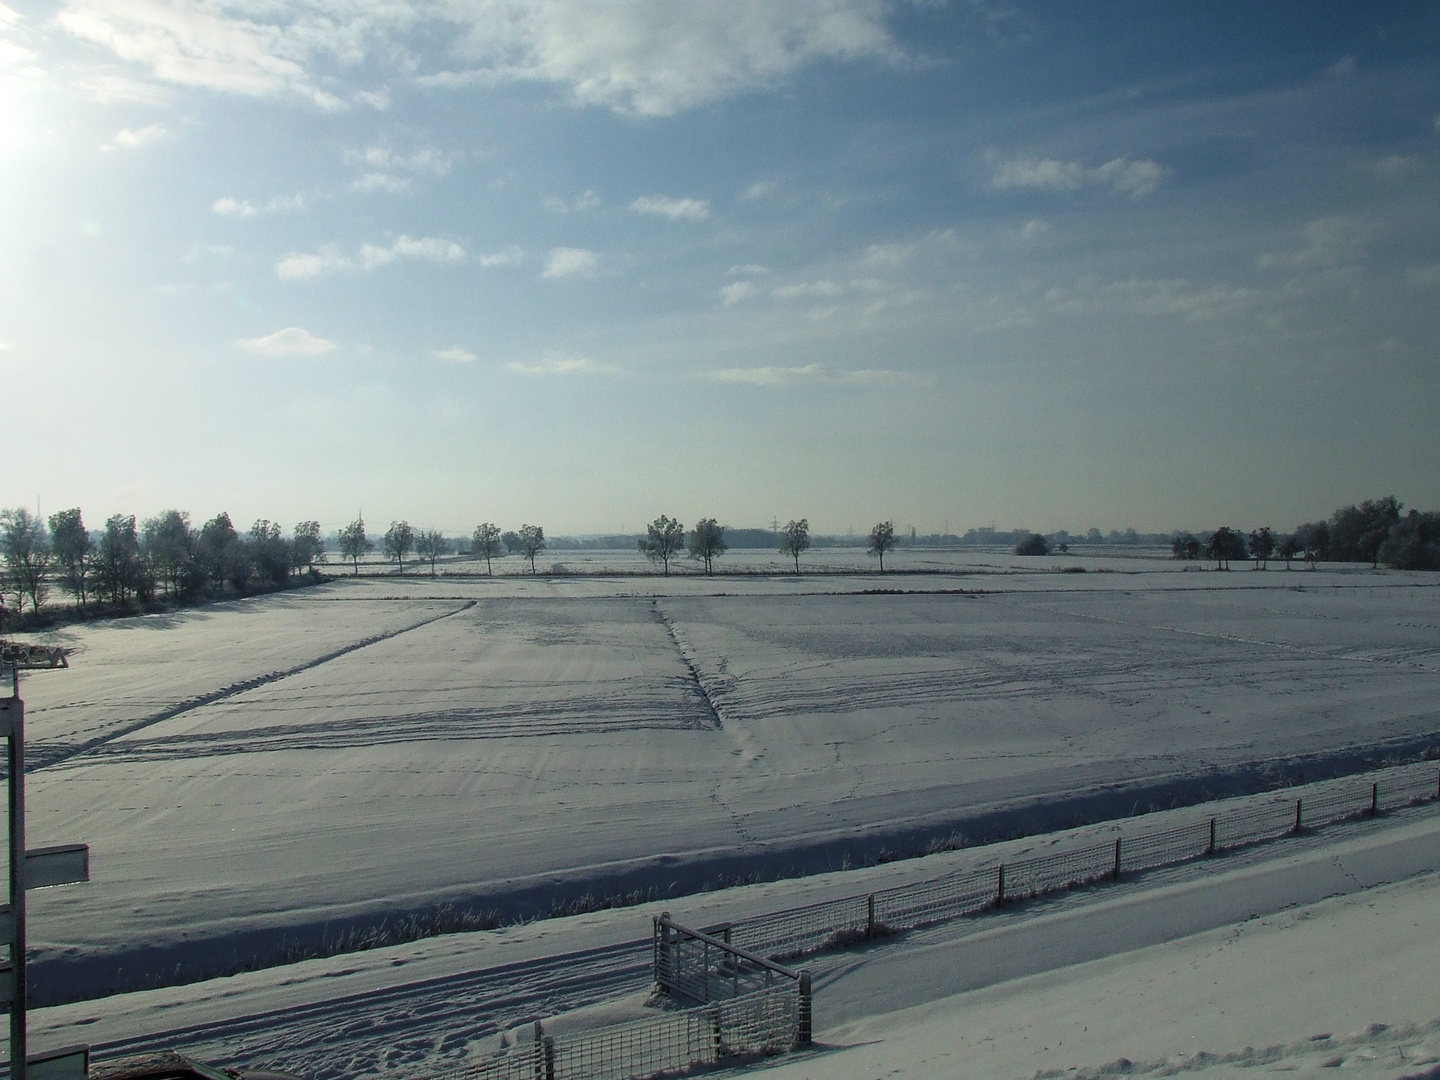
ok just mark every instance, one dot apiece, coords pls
pixel 1289 548
pixel 664 537
pixel 532 542
pixel 882 539
pixel 707 540
pixel 168 542
pixel 794 539
pixel 399 539
pixel 25 548
pixel 117 562
pixel 430 544
pixel 1225 544
pixel 73 547
pixel 354 542
pixel 1183 545
pixel 1262 546
pixel 485 543
pixel 309 545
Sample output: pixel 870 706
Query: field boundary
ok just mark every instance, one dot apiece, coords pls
pixel 794 932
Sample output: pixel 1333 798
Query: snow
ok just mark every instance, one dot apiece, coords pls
pixel 255 777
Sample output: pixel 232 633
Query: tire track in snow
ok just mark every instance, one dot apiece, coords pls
pixel 47 755
pixel 687 658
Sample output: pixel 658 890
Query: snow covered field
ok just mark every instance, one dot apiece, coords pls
pixel 254 776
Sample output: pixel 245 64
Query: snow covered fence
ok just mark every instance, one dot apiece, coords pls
pixel 754 1025
pixel 796 931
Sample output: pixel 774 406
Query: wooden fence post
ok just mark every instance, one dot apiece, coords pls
pixel 540 1073
pixel 1000 885
pixel 1374 799
pixel 870 916
pixel 1211 849
pixel 803 1014
pixel 1297 815
pixel 1116 873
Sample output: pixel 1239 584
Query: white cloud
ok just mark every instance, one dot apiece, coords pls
pixel 737 291
pixel 759 190
pixel 566 262
pixel 1034 229
pixel 1342 68
pixel 379 100
pixel 299 266
pixel 566 365
pixel 228 207
pixel 748 269
pixel 135 138
pixel 455 355
pixel 109 89
pixel 660 57
pixel 1325 243
pixel 506 256
pixel 379 181
pixel 292 341
pixel 674 209
pixel 1133 177
pixel 586 200
pixel 218 47
pixel 383 158
pixel 1393 165
pixel 809 374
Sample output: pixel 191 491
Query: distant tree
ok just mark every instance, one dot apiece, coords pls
pixel 707 540
pixel 116 567
pixel 1032 544
pixel 308 545
pixel 25 549
pixel 1414 543
pixel 511 539
pixel 485 543
pixel 72 544
pixel 1288 548
pixel 664 538
pixel 354 543
pixel 1224 544
pixel 1314 538
pixel 532 542
pixel 168 543
pixel 430 544
pixel 273 555
pixel 1262 546
pixel 1184 546
pixel 794 539
pixel 1357 532
pixel 1094 536
pixel 882 539
pixel 399 539
pixel 223 555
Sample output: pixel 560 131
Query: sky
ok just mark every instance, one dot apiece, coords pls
pixel 583 262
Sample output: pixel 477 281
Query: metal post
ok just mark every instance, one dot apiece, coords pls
pixel 1116 874
pixel 803 1017
pixel 1211 849
pixel 870 916
pixel 1374 799
pixel 1000 884
pixel 539 1052
pixel 1297 815
pixel 15 733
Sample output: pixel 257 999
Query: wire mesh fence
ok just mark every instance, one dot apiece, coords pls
pixel 796 931
pixel 768 1021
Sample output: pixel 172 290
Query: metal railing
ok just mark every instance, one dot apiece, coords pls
pixel 764 1022
pixel 793 932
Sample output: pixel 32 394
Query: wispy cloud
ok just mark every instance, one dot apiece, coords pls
pixel 737 291
pixel 1124 176
pixel 1324 243
pixel 565 365
pixel 564 262
pixel 109 89
pixel 808 290
pixel 759 190
pixel 586 200
pixel 379 181
pixel 455 355
pixel 506 256
pixel 299 266
pixel 232 207
pixel 135 138
pixel 674 209
pixel 810 374
pixel 292 341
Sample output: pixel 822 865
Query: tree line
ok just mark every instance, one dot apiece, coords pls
pixel 1372 531
pixel 164 557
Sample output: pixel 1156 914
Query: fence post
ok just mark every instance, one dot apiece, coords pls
pixel 717 1041
pixel 803 1015
pixel 1211 849
pixel 549 1057
pixel 1116 874
pixel 540 1073
pixel 1374 799
pixel 1297 815
pixel 870 916
pixel 1000 885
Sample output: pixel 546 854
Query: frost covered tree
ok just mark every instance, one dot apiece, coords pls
pixel 399 539
pixel 794 539
pixel 1262 546
pixel 73 547
pixel 1183 545
pixel 531 542
pixel 116 568
pixel 354 543
pixel 485 543
pixel 1288 548
pixel 882 539
pixel 308 545
pixel 430 544
pixel 1032 544
pixel 1224 544
pixel 168 542
pixel 707 540
pixel 273 555
pixel 664 538
pixel 25 548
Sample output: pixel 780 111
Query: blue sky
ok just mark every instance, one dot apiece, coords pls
pixel 582 263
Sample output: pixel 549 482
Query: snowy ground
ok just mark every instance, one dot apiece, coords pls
pixel 254 776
